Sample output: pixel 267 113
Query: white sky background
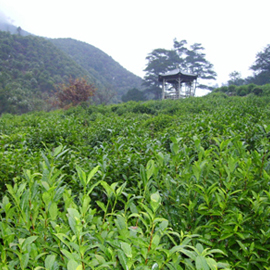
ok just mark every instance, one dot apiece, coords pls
pixel 232 31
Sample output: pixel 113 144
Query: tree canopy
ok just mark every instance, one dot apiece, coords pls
pixel 189 59
pixel 261 67
pixel 159 61
pixel 235 78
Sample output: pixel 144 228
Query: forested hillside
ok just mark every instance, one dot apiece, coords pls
pixel 107 72
pixel 6 26
pixel 13 29
pixel 29 68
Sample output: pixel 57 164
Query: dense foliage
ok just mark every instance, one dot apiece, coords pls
pixel 173 184
pixel 133 94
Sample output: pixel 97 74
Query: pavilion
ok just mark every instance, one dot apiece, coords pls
pixel 176 84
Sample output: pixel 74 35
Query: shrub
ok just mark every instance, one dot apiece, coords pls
pixel 142 108
pixel 160 122
pixel 74 93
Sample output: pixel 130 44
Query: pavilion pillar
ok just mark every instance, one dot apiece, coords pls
pixel 181 84
pixel 163 88
pixel 179 88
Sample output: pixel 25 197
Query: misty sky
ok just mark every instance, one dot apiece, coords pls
pixel 231 31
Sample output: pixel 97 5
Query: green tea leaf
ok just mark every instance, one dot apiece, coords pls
pixel 121 223
pixel 155 241
pixel 121 188
pixel 212 263
pixel 150 168
pixel 201 263
pixel 123 259
pixel 53 211
pixel 91 174
pixel 24 260
pixel 127 249
pixel 28 241
pixel 82 176
pixel 74 213
pixel 155 266
pixel 101 205
pixel 72 265
pixel 155 201
pixel 59 193
pixel 108 189
pixel 57 150
pixel 49 262
pixel 68 255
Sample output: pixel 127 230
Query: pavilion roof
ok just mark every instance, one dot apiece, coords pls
pixel 173 75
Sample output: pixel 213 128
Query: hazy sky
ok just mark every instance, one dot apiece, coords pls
pixel 231 31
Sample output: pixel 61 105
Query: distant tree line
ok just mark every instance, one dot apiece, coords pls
pixel 134 94
pixel 193 60
pixel 245 89
pixel 258 84
pixel 260 68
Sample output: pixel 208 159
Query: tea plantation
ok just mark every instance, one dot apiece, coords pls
pixel 167 184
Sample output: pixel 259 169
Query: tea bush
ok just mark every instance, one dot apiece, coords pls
pixel 174 184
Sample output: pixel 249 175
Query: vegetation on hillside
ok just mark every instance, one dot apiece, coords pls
pixel 134 94
pixel 243 90
pixel 31 67
pixel 258 84
pixel 6 26
pixel 107 72
pixel 173 184
pixel 260 68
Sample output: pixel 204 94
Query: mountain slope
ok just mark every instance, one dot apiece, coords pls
pixel 6 26
pixel 29 68
pixel 12 29
pixel 106 70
